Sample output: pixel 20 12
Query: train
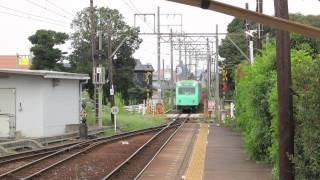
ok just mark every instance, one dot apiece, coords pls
pixel 188 95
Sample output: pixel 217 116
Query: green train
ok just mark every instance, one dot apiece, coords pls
pixel 188 95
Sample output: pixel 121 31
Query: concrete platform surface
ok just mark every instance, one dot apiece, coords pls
pixel 225 158
pixel 173 160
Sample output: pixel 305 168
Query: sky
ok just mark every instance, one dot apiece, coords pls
pixel 21 18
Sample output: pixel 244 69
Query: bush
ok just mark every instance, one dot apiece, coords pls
pixel 253 85
pixel 257 110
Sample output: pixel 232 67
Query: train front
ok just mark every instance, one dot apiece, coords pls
pixel 187 95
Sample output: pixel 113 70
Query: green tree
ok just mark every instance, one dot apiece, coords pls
pixel 236 30
pixel 45 55
pixel 123 62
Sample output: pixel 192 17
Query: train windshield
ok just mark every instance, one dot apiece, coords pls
pixel 186 90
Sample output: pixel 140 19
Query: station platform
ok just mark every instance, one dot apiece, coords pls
pixel 205 151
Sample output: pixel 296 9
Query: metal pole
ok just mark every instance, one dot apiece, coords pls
pixel 171 56
pixel 259 25
pixel 196 66
pixel 247 36
pixel 180 61
pixel 158 47
pixel 286 123
pixel 251 51
pixel 217 77
pixel 110 68
pixel 99 86
pixel 208 69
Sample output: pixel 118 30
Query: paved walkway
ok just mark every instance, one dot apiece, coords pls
pixel 172 161
pixel 196 165
pixel 225 158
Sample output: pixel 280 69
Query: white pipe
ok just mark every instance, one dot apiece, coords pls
pixel 251 52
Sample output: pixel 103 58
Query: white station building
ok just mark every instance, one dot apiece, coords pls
pixel 37 103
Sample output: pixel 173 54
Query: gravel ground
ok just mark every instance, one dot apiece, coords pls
pixel 98 162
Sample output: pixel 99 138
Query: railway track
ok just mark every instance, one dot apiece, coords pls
pixel 62 163
pixel 134 166
pixel 50 159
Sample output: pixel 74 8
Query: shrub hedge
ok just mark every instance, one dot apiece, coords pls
pixel 257 110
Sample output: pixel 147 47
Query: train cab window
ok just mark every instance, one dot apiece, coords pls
pixel 186 91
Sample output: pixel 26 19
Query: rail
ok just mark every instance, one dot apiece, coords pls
pixel 176 123
pixel 89 144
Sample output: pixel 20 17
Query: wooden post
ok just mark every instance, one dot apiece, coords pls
pixel 286 124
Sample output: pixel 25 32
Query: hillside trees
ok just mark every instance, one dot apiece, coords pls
pixel 46 56
pixel 123 62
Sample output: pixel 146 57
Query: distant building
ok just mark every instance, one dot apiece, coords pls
pixel 144 74
pixel 15 61
pixel 37 103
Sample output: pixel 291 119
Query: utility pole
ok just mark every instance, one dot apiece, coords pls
pixel 93 51
pixel 185 62
pixel 100 76
pixel 110 69
pixel 286 123
pixel 171 67
pixel 249 38
pixel 208 69
pixel 196 66
pixel 217 77
pixel 259 26
pixel 180 61
pixel 158 48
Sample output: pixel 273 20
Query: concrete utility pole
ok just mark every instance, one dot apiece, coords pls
pixel 110 69
pixel 98 85
pixel 158 47
pixel 259 25
pixel 93 51
pixel 249 38
pixel 185 61
pixel 286 123
pixel 196 66
pixel 217 78
pixel 171 67
pixel 208 69
pixel 180 61
pixel 171 58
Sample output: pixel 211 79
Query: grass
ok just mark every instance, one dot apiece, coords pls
pixel 126 121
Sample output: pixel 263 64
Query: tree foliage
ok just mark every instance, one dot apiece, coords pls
pixel 123 62
pixel 257 110
pixel 45 55
pixel 236 32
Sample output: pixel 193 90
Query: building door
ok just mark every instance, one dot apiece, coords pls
pixel 7 112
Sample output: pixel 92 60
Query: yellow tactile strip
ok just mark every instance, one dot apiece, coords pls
pixel 196 165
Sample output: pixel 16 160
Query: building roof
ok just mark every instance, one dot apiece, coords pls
pixel 14 61
pixel 45 74
pixel 143 67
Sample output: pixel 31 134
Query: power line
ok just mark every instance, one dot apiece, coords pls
pixel 30 18
pixel 134 6
pixel 45 8
pixel 136 10
pixel 26 13
pixel 58 7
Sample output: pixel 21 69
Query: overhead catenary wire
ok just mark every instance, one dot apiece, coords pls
pixel 134 6
pixel 34 19
pixel 135 10
pixel 58 7
pixel 34 15
pixel 47 9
